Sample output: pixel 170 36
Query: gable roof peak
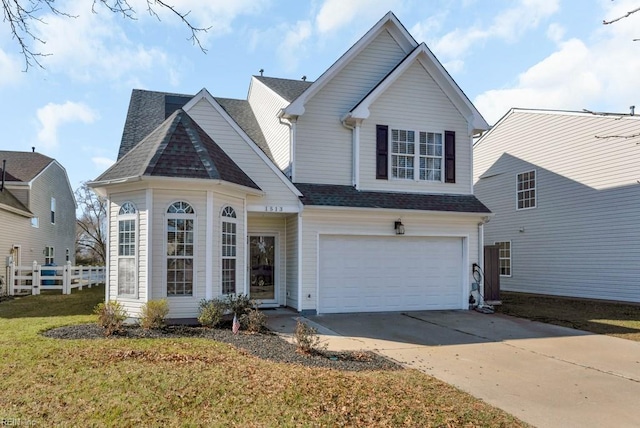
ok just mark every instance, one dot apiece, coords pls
pixel 389 22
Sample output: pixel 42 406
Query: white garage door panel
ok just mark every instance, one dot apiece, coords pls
pixel 372 274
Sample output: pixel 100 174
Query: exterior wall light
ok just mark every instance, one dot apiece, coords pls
pixel 399 227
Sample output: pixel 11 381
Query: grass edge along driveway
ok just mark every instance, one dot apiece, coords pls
pixel 198 382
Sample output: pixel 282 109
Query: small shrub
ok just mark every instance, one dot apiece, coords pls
pixel 239 304
pixel 154 313
pixel 111 316
pixel 211 311
pixel 307 339
pixel 254 321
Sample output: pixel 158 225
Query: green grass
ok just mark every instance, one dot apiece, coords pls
pixel 597 316
pixel 198 382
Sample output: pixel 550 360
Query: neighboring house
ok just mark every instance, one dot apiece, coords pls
pixel 350 193
pixel 565 193
pixel 37 211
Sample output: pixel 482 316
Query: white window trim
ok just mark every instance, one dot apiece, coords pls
pixel 49 254
pixel 193 217
pixel 510 259
pixel 123 217
pixel 535 188
pixel 416 155
pixel 233 220
pixel 53 211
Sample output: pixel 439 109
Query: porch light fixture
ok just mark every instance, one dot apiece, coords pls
pixel 399 227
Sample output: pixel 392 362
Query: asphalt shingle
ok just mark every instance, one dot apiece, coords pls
pixel 286 88
pixel 348 196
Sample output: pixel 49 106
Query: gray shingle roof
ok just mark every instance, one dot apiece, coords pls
pixel 178 148
pixel 23 166
pixel 348 196
pixel 241 112
pixel 286 88
pixel 147 110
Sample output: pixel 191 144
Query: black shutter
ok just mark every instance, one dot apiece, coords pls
pixel 382 152
pixel 449 157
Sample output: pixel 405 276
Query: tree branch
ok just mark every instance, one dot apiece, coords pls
pixel 20 15
pixel 631 12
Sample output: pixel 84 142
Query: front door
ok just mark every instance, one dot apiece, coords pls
pixel 262 268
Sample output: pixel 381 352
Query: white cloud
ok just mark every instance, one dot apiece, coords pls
pixel 602 76
pixel 555 32
pixel 509 25
pixel 336 14
pixel 10 69
pixel 102 163
pixel 52 116
pixel 293 47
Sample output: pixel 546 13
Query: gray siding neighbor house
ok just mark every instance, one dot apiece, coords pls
pixel 564 189
pixel 37 211
pixel 350 193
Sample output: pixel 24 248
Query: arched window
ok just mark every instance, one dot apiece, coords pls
pixel 127 244
pixel 180 249
pixel 229 244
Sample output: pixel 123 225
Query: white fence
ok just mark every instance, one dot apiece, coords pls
pixel 35 278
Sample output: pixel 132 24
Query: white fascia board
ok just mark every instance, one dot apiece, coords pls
pixel 204 94
pixel 388 22
pixel 440 76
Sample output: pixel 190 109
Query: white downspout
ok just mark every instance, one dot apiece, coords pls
pixel 107 272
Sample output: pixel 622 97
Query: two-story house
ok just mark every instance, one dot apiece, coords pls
pixel 564 188
pixel 351 193
pixel 37 210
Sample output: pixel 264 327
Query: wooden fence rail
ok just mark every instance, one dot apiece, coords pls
pixel 35 278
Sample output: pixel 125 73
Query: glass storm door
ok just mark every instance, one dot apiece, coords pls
pixel 262 275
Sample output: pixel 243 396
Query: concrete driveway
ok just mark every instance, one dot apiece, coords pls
pixel 546 375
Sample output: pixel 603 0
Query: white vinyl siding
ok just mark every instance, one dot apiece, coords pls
pixel 276 191
pixel 415 102
pixel 52 182
pixel 266 105
pixel 291 257
pixel 583 239
pixel 379 223
pixel 323 146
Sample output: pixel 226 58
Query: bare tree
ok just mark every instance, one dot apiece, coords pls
pixel 91 235
pixel 20 15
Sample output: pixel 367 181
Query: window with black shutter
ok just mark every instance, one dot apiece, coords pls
pixel 382 152
pixel 449 157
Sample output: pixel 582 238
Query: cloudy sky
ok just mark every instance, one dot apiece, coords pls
pixel 553 54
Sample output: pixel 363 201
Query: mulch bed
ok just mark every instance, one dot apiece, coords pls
pixel 265 345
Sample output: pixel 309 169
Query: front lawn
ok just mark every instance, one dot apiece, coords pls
pixel 198 382
pixel 597 316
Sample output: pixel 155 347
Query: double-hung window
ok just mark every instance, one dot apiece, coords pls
pixel 229 244
pixel 48 255
pixel 421 163
pixel 127 227
pixel 180 249
pixel 505 257
pixel 526 190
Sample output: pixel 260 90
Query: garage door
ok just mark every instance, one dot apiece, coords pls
pixel 372 274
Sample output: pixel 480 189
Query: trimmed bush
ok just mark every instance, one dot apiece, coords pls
pixel 307 339
pixel 239 304
pixel 210 312
pixel 111 316
pixel 154 313
pixel 254 321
